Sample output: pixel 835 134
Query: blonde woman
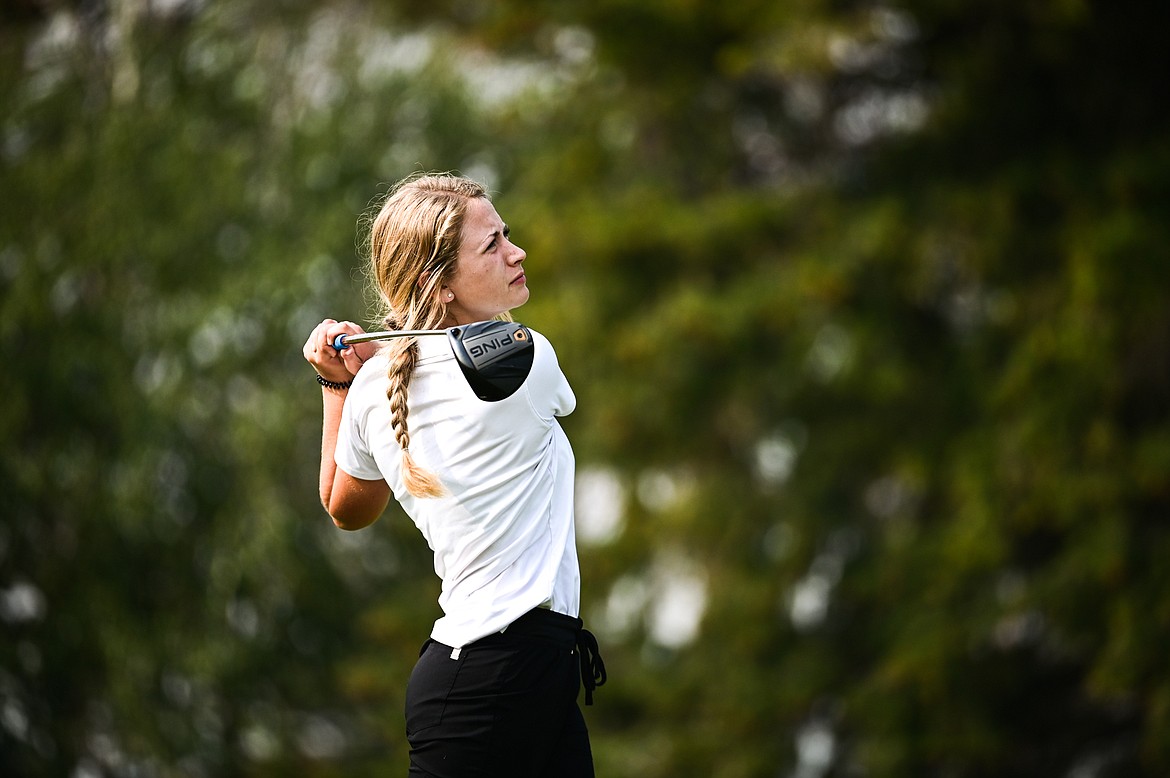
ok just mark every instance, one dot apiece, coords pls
pixel 489 485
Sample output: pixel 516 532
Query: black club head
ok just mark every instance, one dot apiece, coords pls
pixel 495 356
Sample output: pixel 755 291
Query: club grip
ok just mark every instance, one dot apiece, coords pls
pixel 339 342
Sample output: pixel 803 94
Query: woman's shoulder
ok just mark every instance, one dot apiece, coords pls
pixel 541 342
pixel 547 388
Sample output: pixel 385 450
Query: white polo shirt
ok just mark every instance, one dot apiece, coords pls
pixel 503 535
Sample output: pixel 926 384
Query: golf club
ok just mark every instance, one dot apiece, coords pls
pixel 495 356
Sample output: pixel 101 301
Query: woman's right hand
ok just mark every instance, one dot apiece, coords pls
pixel 331 364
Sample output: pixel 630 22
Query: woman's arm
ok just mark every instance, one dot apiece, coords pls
pixel 351 502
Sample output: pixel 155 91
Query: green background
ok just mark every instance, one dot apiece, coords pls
pixel 865 305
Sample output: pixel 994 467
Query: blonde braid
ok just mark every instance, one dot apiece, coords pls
pixel 419 482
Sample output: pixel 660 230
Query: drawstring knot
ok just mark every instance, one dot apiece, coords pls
pixel 592 667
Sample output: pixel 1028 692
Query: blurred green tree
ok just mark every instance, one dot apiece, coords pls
pixel 181 191
pixel 863 303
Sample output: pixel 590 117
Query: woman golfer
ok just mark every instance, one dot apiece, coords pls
pixel 489 485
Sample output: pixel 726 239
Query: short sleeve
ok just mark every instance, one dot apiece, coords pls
pixel 353 453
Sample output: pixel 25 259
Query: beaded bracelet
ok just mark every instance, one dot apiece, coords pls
pixel 333 384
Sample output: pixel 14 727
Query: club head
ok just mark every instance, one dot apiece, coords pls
pixel 495 356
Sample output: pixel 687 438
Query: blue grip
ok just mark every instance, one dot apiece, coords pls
pixel 339 342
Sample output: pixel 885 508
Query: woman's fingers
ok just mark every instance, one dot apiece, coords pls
pixel 353 356
pixel 330 363
pixel 319 351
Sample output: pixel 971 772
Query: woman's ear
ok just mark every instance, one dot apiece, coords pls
pixel 444 295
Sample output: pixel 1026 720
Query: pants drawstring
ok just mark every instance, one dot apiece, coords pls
pixel 592 666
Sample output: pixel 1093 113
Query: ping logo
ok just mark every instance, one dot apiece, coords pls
pixel 486 347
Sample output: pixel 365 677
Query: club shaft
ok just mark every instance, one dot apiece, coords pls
pixel 341 341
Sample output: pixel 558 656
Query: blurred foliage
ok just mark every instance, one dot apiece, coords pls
pixel 864 305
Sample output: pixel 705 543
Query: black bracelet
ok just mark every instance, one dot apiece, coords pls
pixel 333 384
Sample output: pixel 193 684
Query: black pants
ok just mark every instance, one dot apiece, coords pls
pixel 505 705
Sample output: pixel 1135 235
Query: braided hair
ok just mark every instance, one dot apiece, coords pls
pixel 414 244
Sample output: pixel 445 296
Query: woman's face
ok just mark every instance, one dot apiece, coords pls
pixel 488 278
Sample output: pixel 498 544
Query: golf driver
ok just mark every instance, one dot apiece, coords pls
pixel 495 356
